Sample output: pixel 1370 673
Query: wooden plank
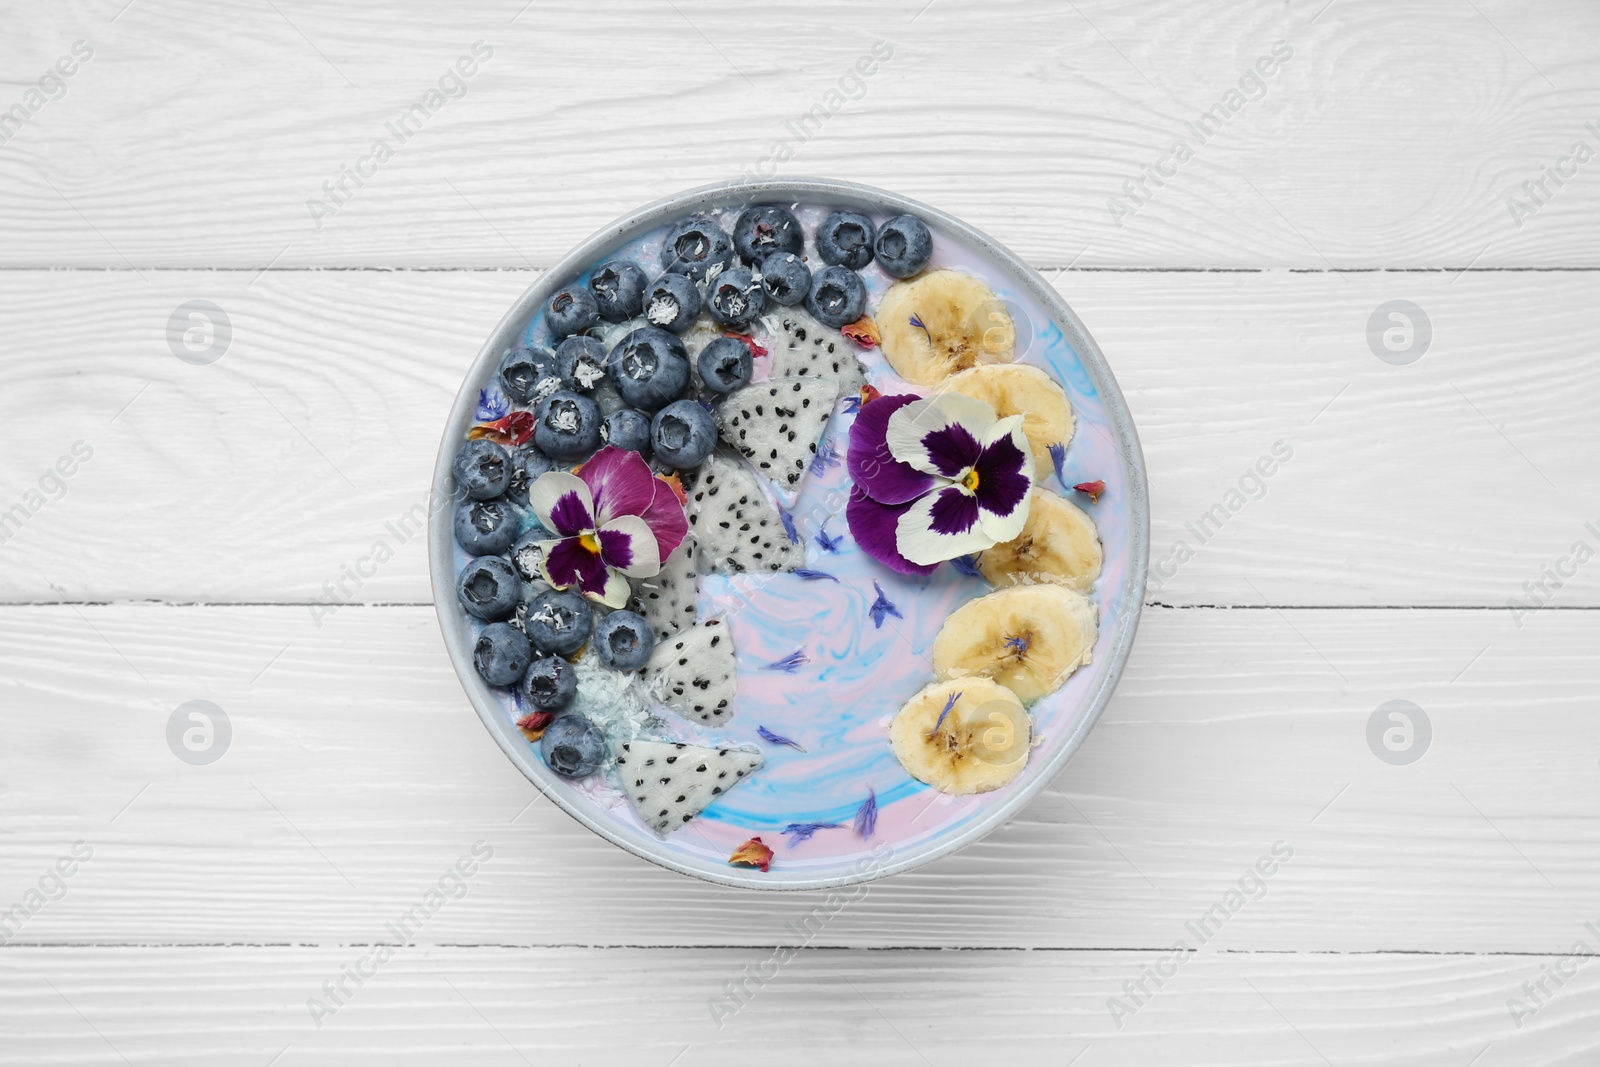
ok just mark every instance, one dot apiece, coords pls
pixel 357 774
pixel 1393 134
pixel 1455 480
pixel 430 1005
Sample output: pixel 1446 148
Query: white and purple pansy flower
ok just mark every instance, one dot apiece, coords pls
pixel 935 479
pixel 614 520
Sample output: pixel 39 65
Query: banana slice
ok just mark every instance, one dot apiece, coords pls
pixel 1029 638
pixel 1018 389
pixel 1058 545
pixel 942 323
pixel 980 744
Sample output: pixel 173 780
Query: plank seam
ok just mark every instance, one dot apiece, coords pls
pixel 756 947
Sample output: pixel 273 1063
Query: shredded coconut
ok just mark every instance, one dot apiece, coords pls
pixel 662 310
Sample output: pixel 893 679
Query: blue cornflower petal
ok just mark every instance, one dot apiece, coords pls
pixel 802 831
pixel 790 663
pixel 967 565
pixel 867 815
pixel 776 739
pixel 882 608
pixel 812 576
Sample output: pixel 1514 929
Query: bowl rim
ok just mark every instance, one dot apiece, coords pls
pixel 452 621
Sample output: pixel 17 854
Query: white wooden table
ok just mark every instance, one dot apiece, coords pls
pixel 1424 903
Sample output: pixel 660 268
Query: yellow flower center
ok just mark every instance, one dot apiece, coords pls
pixel 590 542
pixel 971 480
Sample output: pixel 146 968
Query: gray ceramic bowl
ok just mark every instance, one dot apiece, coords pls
pixel 1128 575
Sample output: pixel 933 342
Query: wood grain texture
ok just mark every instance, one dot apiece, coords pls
pixel 357 774
pixel 1452 481
pixel 552 1006
pixel 1394 135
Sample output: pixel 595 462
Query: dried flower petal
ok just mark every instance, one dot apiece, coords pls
pixel 675 483
pixel 751 854
pixel 852 404
pixel 1094 489
pixel 789 529
pixel 863 332
pixel 948 704
pixel 514 429
pixel 750 341
pixel 534 723
pixel 867 816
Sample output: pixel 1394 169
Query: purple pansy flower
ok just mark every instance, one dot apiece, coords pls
pixel 614 519
pixel 935 479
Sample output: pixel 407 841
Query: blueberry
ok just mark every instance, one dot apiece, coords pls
pixel 618 289
pixel 527 464
pixel 765 229
pixel 627 428
pixel 567 425
pixel 903 246
pixel 571 310
pixel 501 654
pixel 559 622
pixel 683 434
pixel 694 246
pixel 786 278
pixel 649 367
pixel 529 374
pixel 581 362
pixel 527 555
pixel 573 746
pixel 624 640
pixel 735 297
pixel 725 365
pixel 482 469
pixel 838 297
pixel 488 588
pixel 672 302
pixel 550 684
pixel 845 238
pixel 485 527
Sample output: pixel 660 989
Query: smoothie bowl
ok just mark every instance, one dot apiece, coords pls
pixel 796 534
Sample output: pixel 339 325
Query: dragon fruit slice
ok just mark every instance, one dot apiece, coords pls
pixel 667 598
pixel 777 424
pixel 693 673
pixel 669 782
pixel 736 528
pixel 802 345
